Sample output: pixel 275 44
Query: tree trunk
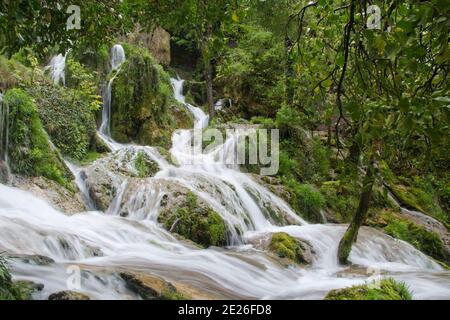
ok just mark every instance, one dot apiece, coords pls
pixel 209 89
pixel 351 235
pixel 289 72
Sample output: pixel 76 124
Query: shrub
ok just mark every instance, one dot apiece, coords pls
pixel 30 152
pixel 388 289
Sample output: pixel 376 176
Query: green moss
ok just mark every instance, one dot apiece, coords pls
pixel 306 200
pixel 144 166
pixel 30 152
pixel 196 223
pixel 285 246
pixel 403 229
pixel 143 107
pixel 10 290
pixel 171 293
pixel 68 117
pixel 416 193
pixel 388 289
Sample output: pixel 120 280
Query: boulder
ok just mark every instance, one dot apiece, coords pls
pixel 182 212
pixel 62 199
pixel 68 295
pixel 151 287
pixel 285 248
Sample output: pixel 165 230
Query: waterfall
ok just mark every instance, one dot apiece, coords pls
pixel 5 172
pixel 57 68
pixel 100 243
pixel 117 58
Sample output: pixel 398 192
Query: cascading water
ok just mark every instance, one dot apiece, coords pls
pixel 117 58
pixel 98 243
pixel 57 68
pixel 5 172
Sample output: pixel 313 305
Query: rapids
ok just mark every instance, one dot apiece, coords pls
pixel 101 244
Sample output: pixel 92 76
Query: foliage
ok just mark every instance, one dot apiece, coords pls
pixel 68 118
pixel 145 166
pixel 387 289
pixel 32 154
pixel 306 200
pixel 252 72
pixel 41 24
pixel 10 290
pixel 83 82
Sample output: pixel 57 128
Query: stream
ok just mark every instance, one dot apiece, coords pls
pixel 98 245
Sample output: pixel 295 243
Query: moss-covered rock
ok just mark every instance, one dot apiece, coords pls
pixel 105 176
pixel 285 246
pixel 194 220
pixel 68 295
pixel 142 104
pixel 415 193
pixel 68 117
pixel 404 229
pixel 152 287
pixel 30 152
pixel 388 289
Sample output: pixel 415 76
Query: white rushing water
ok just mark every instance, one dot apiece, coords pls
pixel 57 68
pixel 104 243
pixel 117 58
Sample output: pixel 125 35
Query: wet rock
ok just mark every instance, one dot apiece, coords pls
pixel 187 215
pixel 157 42
pixel 105 177
pixel 35 259
pixel 68 295
pixel 151 287
pixel 59 197
pixel 285 248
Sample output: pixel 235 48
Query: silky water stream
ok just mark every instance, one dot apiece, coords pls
pixel 95 246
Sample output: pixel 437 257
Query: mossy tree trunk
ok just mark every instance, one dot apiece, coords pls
pixel 351 235
pixel 209 89
pixel 208 70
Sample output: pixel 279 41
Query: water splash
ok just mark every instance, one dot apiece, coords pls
pixel 57 68
pixel 117 59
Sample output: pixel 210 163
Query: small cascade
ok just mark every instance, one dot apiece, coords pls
pixel 80 177
pixel 5 172
pixel 117 58
pixel 57 68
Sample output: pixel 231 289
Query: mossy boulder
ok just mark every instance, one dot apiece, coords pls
pixel 150 287
pixel 62 199
pixel 105 176
pixel 143 108
pixel 68 116
pixel 414 193
pixel 387 289
pixel 191 218
pixel 30 152
pixel 400 227
pixel 68 295
pixel 287 247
